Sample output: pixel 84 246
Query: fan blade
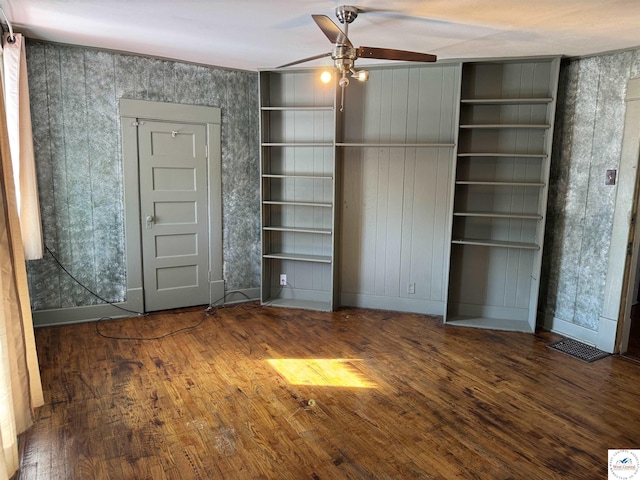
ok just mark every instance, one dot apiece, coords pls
pixel 308 59
pixel 391 54
pixel 331 30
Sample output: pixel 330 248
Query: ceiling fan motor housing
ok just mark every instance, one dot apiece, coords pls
pixel 344 54
pixel 346 13
pixel 343 57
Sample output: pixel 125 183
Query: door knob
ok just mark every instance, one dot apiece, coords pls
pixel 149 220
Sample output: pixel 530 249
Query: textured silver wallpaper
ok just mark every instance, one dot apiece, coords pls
pixel 74 102
pixel 587 141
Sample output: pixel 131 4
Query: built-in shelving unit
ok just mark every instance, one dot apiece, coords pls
pixel 298 171
pixel 500 192
pixel 323 171
pixel 427 193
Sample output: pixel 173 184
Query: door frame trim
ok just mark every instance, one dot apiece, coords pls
pixel 611 322
pixel 130 112
pixel 630 156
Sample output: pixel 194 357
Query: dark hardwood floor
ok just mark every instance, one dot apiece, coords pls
pixel 397 396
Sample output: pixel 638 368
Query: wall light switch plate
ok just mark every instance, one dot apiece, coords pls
pixel 611 177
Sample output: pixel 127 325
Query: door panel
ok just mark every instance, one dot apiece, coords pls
pixel 174 214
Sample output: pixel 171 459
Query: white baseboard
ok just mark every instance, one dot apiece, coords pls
pixel 568 329
pixel 66 316
pixel 242 295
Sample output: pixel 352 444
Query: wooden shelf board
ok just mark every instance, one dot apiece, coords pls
pixel 507 126
pixel 296 303
pixel 321 231
pixel 393 145
pixel 502 154
pixel 297 204
pixel 495 243
pixel 528 216
pixel 293 109
pixel 489 323
pixel 297 144
pixel 506 101
pixel 304 177
pixel 500 184
pixel 299 257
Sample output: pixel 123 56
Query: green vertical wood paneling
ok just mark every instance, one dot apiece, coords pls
pixel 395 199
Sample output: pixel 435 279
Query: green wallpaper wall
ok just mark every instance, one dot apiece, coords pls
pixel 74 102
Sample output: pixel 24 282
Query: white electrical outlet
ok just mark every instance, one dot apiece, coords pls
pixel 411 289
pixel 283 279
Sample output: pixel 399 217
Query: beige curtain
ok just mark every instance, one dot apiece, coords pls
pixel 16 94
pixel 20 387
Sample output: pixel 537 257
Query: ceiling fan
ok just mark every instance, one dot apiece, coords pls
pixel 344 54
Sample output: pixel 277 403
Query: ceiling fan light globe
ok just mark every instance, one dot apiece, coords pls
pixel 325 76
pixel 361 75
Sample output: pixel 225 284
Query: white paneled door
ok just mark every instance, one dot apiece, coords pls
pixel 174 214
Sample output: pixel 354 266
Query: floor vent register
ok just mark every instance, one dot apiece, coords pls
pixel 578 350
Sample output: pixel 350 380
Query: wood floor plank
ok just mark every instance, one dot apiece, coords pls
pixel 217 401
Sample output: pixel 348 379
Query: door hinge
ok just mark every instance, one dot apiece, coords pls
pixel 630 248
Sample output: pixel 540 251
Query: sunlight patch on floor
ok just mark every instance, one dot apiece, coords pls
pixel 330 372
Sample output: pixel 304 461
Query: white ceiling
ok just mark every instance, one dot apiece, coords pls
pixel 252 34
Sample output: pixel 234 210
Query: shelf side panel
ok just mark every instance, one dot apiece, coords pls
pixel 299 126
pixel 517 200
pixel 301 243
pixel 295 89
pixel 495 277
pixel 305 280
pixel 508 79
pixel 496 229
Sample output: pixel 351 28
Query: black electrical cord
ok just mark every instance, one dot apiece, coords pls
pixel 209 311
pixel 159 337
pixel 86 288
